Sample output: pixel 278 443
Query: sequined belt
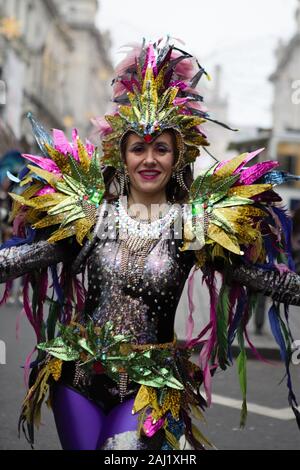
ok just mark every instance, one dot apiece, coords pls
pixel 143 347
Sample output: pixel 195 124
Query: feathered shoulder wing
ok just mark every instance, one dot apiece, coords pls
pixel 62 189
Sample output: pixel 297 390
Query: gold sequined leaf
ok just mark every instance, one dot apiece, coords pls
pixel 83 227
pixel 149 90
pixel 195 140
pixel 46 201
pixel 226 240
pixel 221 221
pixel 66 205
pixel 116 122
pixel 243 213
pixel 190 121
pixel 49 220
pixel 60 234
pixel 142 399
pixel 233 201
pixel 249 191
pixel 191 154
pixel 28 179
pixel 197 413
pixel 84 157
pixel 228 168
pixel 27 194
pixel 46 175
pixel 78 188
pixel 200 437
pixel 59 158
pixel 171 439
pixel 161 77
pixel 126 112
pixel 74 214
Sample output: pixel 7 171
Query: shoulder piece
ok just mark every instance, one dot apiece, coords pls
pixel 63 188
pixel 233 211
pixel 238 231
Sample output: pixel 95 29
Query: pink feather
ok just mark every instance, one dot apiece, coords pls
pixel 18 225
pixel 201 130
pixel 80 295
pixel 7 290
pixel 197 105
pixel 102 126
pixel 89 147
pixel 27 367
pixel 60 142
pixel 179 101
pixel 282 268
pixel 179 84
pixel 129 59
pixel 119 89
pixel 185 68
pixel 198 340
pixel 190 321
pixel 129 84
pixel 249 156
pixel 74 146
pixel 205 354
pixel 45 190
pixel 27 307
pixel 249 175
pixel 44 163
pixel 43 287
pixel 207 383
pixel 255 351
pixel 150 61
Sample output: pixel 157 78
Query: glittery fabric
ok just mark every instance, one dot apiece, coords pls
pixel 18 260
pixel 147 309
pixel 130 441
pixel 281 287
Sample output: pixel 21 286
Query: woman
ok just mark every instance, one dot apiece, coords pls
pixel 117 377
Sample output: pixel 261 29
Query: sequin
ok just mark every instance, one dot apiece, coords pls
pixel 140 309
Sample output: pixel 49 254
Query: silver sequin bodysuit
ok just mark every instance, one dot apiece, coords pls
pixel 146 309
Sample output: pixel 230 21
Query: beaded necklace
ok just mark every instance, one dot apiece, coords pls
pixel 137 238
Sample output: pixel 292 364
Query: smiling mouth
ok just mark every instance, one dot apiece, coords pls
pixel 149 174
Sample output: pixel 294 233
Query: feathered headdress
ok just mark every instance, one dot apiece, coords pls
pixel 155 90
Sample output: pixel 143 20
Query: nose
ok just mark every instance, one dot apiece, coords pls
pixel 149 159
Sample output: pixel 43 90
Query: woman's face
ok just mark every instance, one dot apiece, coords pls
pixel 149 164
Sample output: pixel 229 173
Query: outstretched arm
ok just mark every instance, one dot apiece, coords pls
pixel 19 260
pixel 281 287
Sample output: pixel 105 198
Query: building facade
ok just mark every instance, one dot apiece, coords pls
pixel 217 107
pixel 282 140
pixel 284 144
pixel 54 62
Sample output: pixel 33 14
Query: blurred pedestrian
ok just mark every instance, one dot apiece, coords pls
pixel 296 239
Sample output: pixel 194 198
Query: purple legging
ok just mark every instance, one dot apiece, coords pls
pixel 82 425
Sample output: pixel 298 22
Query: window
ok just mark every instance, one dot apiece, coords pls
pixel 287 163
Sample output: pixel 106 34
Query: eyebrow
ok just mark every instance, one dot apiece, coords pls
pixel 161 142
pixel 136 143
pixel 156 142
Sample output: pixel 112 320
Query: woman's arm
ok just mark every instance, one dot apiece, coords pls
pixel 19 260
pixel 281 287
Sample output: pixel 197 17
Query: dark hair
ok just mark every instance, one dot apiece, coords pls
pixel 174 192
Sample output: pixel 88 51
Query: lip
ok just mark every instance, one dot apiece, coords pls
pixel 149 174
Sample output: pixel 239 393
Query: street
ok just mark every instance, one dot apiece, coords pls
pixel 270 423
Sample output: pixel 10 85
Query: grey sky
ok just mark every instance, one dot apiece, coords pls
pixel 240 35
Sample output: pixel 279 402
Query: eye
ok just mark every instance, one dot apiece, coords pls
pixel 138 149
pixel 162 149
